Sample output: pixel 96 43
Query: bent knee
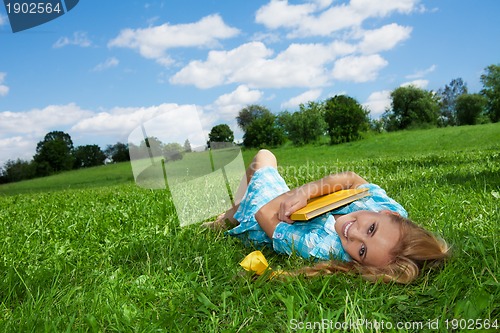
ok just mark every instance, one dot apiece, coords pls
pixel 265 158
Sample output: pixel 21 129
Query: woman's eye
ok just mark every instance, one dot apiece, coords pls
pixel 372 227
pixel 362 250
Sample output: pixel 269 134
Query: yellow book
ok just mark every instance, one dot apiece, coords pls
pixel 328 202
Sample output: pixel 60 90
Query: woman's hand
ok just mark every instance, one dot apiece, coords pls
pixel 294 200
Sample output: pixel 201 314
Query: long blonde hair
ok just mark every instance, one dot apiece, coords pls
pixel 417 248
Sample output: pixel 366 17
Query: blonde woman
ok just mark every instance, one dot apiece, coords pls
pixel 371 236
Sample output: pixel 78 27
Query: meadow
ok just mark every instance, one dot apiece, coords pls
pixel 91 251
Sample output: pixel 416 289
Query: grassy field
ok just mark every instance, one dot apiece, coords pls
pixel 91 251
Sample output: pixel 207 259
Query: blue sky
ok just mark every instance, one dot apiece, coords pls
pixel 101 69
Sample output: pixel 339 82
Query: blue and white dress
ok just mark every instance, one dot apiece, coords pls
pixel 315 238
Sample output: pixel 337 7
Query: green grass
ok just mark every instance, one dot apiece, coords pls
pixel 90 251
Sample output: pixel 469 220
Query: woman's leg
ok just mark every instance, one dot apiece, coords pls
pixel 264 158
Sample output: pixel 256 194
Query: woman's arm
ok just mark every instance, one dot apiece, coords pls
pixel 280 208
pixel 297 198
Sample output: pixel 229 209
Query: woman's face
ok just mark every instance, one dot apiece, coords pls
pixel 368 237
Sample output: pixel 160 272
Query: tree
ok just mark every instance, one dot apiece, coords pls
pixel 411 107
pixel 304 126
pixel 346 118
pixel 187 146
pixel 448 98
pixel 491 90
pixel 88 156
pixel 263 132
pixel 14 171
pixel 173 151
pixel 248 114
pixel 118 152
pixel 469 108
pixel 54 153
pixel 221 133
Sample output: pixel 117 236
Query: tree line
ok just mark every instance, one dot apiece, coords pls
pixel 343 119
pixel 56 153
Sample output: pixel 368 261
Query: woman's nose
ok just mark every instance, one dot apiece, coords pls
pixel 355 234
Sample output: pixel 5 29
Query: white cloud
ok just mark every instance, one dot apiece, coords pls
pixel 221 65
pixel 422 84
pixel 79 39
pixel 308 96
pixel 15 147
pixel 242 95
pixel 20 131
pixel 378 102
pixel 38 122
pixel 153 42
pixel 322 19
pixel 4 90
pixel 300 65
pixel 227 106
pixel 358 68
pixel 384 38
pixel 421 73
pixel 109 63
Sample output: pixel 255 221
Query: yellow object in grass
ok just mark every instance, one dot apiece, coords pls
pixel 255 262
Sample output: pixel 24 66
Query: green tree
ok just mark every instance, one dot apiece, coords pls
pixel 14 171
pixel 345 118
pixel 118 152
pixel 187 146
pixel 54 153
pixel 448 99
pixel 491 90
pixel 173 151
pixel 304 126
pixel 221 133
pixel 412 107
pixel 88 156
pixel 263 132
pixel 470 107
pixel 248 114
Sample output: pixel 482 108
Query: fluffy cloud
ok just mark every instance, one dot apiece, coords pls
pixel 20 131
pixel 4 90
pixel 294 102
pixel 79 39
pixel 384 38
pixel 38 122
pixel 322 19
pixel 220 66
pixel 378 102
pixel 153 42
pixel 358 68
pixel 227 106
pixel 109 63
pixel 300 65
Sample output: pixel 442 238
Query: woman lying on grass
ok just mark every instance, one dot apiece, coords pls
pixel 370 236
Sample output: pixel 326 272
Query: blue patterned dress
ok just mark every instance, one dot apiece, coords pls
pixel 315 238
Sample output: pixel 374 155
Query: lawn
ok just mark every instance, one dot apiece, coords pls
pixel 91 251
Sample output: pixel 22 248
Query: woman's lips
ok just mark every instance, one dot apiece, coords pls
pixel 346 227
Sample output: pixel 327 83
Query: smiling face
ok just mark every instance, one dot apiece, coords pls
pixel 368 237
